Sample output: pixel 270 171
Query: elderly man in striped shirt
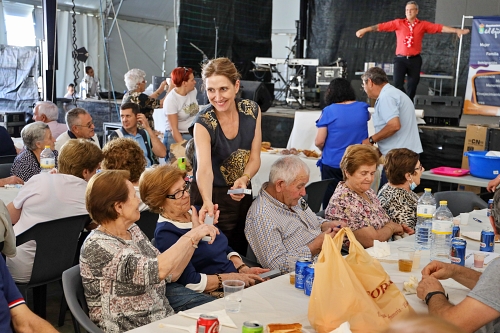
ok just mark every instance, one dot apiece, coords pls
pixel 280 224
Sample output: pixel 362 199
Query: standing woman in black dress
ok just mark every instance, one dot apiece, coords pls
pixel 227 136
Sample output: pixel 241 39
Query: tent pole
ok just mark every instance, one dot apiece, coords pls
pixel 459 55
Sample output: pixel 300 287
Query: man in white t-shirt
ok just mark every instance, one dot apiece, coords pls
pixel 77 162
pixel 180 106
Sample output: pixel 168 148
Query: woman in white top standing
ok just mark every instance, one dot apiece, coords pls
pixel 180 106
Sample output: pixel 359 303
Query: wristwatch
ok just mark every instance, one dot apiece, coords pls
pixel 370 139
pixel 432 293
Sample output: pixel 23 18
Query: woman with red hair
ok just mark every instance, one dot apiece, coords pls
pixel 180 106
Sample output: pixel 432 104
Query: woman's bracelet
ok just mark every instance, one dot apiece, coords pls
pixel 193 243
pixel 240 267
pixel 220 281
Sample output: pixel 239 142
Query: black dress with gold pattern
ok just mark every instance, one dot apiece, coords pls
pixel 229 158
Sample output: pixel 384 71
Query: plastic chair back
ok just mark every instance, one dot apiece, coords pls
pixel 147 223
pixel 5 170
pixel 75 297
pixel 56 245
pixel 460 201
pixel 7 159
pixel 315 193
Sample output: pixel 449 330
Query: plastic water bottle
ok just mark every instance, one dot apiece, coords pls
pixel 442 227
pixel 426 206
pixel 47 159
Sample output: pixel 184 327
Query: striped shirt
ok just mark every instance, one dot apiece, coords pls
pixel 276 232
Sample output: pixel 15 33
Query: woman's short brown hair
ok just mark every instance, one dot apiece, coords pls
pixel 78 155
pixel 155 184
pixel 124 154
pixel 220 66
pixel 104 190
pixel 357 155
pixel 399 162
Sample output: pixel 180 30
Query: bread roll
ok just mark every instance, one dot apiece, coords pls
pixel 266 144
pixel 284 328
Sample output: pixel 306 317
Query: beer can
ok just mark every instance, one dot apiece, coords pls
pixel 309 279
pixel 207 324
pixel 490 207
pixel 455 231
pixel 457 252
pixel 252 327
pixel 487 243
pixel 300 269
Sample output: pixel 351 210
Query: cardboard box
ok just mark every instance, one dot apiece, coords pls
pixel 476 138
pixel 469 188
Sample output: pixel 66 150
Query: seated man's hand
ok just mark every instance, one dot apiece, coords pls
pixel 254 270
pixel 335 225
pixel 438 270
pixel 427 285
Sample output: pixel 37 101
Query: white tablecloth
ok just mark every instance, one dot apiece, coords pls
pixel 267 159
pixel 278 301
pixel 8 194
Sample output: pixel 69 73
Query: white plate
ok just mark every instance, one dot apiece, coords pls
pixel 474 235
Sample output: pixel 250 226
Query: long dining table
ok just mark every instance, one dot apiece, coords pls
pixel 278 301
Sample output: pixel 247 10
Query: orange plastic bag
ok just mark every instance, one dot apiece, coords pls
pixel 355 289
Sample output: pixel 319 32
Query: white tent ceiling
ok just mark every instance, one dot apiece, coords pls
pixel 159 12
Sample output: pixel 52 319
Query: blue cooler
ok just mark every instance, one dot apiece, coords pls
pixel 483 166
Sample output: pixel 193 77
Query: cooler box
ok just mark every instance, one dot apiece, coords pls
pixel 483 166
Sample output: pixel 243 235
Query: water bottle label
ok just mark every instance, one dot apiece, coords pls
pixel 47 163
pixel 442 227
pixel 425 209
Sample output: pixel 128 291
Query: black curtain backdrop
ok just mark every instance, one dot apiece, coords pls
pixel 244 32
pixel 332 34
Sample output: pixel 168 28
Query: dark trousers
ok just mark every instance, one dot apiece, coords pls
pixel 411 67
pixel 181 298
pixel 327 172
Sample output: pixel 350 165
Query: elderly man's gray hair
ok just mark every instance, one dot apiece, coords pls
pixel 72 117
pixel 376 75
pixel 287 169
pixel 133 77
pixel 33 133
pixel 412 3
pixel 49 109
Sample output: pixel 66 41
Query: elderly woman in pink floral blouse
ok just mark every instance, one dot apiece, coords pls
pixel 356 203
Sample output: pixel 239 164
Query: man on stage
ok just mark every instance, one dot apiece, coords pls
pixel 409 34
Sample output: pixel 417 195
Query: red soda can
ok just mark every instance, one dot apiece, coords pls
pixel 207 324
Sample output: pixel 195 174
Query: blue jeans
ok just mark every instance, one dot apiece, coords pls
pixel 168 139
pixel 182 298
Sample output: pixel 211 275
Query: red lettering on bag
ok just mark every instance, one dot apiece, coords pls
pixel 380 290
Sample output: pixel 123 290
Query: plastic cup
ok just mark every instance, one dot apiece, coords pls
pixel 291 261
pixel 464 218
pixel 479 259
pixel 416 261
pixel 233 294
pixel 405 255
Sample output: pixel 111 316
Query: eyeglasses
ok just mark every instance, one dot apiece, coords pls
pixel 89 125
pixel 420 168
pixel 179 194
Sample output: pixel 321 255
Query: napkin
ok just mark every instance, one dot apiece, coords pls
pixel 344 328
pixel 379 249
pixel 224 319
pixel 493 153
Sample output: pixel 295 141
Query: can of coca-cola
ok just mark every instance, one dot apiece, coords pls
pixel 207 324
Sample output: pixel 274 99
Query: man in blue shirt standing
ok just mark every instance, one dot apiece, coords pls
pixel 146 138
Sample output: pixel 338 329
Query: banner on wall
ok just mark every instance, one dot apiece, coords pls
pixel 482 95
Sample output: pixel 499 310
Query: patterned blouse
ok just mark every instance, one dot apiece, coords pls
pixel 400 205
pixel 26 165
pixel 121 282
pixel 346 205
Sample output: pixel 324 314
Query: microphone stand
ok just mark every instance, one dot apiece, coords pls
pixel 205 58
pixel 216 36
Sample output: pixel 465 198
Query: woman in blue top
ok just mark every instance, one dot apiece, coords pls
pixel 342 123
pixel 166 192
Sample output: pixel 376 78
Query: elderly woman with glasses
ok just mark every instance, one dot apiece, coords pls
pixel 127 282
pixel 403 170
pixel 180 106
pixel 135 80
pixel 166 192
pixel 35 137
